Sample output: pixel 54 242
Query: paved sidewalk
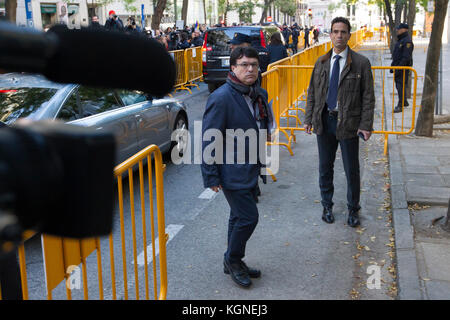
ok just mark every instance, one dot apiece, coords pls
pixel 420 189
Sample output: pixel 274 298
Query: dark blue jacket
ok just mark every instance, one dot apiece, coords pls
pixel 277 52
pixel 225 109
pixel 403 50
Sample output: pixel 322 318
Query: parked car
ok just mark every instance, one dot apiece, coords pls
pixel 136 119
pixel 216 50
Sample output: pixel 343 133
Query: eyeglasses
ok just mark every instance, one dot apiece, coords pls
pixel 246 65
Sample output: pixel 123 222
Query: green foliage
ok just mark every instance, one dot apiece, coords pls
pixel 286 6
pixel 246 10
pixel 222 7
pixel 128 4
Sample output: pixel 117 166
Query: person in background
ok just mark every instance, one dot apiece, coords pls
pixel 114 22
pixel 197 40
pixel 95 23
pixel 402 56
pixel 295 35
pixel 183 44
pixel 277 50
pixel 306 35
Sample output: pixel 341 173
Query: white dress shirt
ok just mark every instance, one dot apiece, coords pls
pixel 342 61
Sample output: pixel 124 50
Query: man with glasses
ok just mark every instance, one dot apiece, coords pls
pixel 239 105
pixel 340 107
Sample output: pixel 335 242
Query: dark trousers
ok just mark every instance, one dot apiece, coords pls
pixel 242 222
pixel 399 85
pixel 294 47
pixel 328 144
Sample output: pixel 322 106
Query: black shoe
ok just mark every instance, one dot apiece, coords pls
pixel 253 273
pixel 406 104
pixel 238 274
pixel 353 218
pixel 398 109
pixel 327 215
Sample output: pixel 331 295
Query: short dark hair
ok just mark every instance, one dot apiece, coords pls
pixel 240 52
pixel 343 20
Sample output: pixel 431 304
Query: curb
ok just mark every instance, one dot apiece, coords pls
pixel 407 271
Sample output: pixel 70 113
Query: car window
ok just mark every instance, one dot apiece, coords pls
pixel 219 39
pixel 17 103
pixel 130 97
pixel 96 100
pixel 71 109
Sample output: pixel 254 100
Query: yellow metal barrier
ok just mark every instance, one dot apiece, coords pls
pixel 390 127
pixel 63 255
pixel 189 68
pixel 180 66
pixel 194 65
pixel 290 86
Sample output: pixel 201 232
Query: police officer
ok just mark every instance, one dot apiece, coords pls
pixel 402 56
pixel 295 35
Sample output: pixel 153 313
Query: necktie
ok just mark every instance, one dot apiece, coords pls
pixel 334 82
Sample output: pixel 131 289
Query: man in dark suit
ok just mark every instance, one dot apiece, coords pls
pixel 340 106
pixel 238 105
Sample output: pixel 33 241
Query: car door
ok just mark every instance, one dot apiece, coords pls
pixel 101 108
pixel 152 117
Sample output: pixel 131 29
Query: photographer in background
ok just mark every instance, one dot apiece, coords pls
pixel 183 44
pixel 131 26
pixel 172 39
pixel 113 22
pixel 197 40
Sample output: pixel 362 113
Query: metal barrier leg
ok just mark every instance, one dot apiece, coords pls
pixel 386 138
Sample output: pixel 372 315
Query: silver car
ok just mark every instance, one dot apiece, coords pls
pixel 136 119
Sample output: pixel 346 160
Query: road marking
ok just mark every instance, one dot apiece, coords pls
pixel 171 230
pixel 208 194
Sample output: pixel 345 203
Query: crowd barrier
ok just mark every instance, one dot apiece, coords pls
pixel 293 79
pixel 287 86
pixel 189 66
pixel 62 256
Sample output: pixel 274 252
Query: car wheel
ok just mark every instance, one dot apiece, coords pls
pixel 181 141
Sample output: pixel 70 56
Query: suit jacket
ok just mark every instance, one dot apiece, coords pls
pixel 225 109
pixel 356 96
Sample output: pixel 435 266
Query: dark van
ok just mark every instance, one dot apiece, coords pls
pixel 216 50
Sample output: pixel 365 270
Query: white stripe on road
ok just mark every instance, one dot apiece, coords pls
pixel 208 194
pixel 171 230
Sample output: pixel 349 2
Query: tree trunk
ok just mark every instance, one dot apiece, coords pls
pixel 184 11
pixel 204 9
pixel 391 24
pixel 426 115
pixel 447 220
pixel 267 4
pixel 159 10
pixel 11 9
pixel 410 20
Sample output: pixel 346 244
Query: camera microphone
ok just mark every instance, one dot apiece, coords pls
pixel 93 57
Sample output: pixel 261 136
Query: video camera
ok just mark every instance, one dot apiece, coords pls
pixel 57 178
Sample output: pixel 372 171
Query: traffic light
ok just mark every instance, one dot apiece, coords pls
pixel 310 13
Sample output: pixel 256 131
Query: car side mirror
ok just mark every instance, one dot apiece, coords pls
pixel 149 97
